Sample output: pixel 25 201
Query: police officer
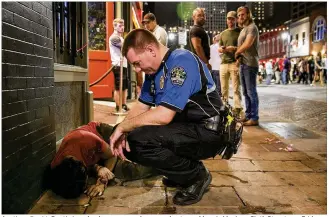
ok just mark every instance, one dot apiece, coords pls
pixel 182 128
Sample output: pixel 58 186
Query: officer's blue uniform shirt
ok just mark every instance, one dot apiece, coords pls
pixel 173 88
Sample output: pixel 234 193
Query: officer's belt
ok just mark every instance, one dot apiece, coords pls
pixel 212 123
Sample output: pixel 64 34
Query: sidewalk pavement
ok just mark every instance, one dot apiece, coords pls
pixel 269 175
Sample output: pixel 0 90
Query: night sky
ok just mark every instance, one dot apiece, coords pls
pixel 166 14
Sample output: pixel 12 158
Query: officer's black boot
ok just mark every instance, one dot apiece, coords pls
pixel 194 192
pixel 171 184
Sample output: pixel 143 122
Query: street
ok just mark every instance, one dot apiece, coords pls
pixel 280 167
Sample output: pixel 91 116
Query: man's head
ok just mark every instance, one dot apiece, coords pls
pixel 215 39
pixel 231 19
pixel 284 56
pixel 149 22
pixel 142 50
pixel 199 16
pixel 119 25
pixel 69 178
pixel 244 16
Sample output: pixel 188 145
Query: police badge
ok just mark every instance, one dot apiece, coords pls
pixel 161 82
pixel 178 75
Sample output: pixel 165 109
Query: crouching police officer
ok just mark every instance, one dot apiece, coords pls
pixel 182 128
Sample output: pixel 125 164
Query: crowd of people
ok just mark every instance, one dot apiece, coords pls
pixel 301 70
pixel 189 90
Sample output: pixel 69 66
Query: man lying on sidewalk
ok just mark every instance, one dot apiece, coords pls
pixel 81 152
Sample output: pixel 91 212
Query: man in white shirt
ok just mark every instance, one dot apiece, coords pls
pixel 115 43
pixel 269 71
pixel 215 61
pixel 150 24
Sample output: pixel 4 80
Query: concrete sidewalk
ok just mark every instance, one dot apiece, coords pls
pixel 269 175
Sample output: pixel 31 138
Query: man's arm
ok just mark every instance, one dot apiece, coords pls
pixel 196 42
pixel 137 109
pixel 158 116
pixel 115 40
pixel 246 44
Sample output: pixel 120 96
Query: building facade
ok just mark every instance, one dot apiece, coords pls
pixel 318 31
pixel 299 38
pixel 273 44
pixel 45 85
pixel 300 9
pixel 28 102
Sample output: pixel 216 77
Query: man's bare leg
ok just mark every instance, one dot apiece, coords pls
pixel 116 99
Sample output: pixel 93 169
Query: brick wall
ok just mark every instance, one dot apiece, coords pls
pixel 28 132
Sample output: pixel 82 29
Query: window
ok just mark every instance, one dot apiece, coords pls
pixel 69 36
pixel 319 28
pixel 278 44
pixel 97 25
pixel 303 38
pixel 273 47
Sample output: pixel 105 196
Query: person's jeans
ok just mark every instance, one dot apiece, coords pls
pixel 284 76
pixel 268 79
pixel 216 78
pixel 248 77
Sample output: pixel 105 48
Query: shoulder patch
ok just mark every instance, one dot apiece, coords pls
pixel 178 75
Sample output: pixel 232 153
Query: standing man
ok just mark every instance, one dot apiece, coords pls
pixel 286 68
pixel 277 71
pixel 228 42
pixel 199 39
pixel 248 49
pixel 150 23
pixel 269 71
pixel 116 41
pixel 182 129
pixel 215 61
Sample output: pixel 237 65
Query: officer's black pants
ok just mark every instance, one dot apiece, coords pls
pixel 174 150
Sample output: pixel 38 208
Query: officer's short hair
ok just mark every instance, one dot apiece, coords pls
pixel 69 178
pixel 138 39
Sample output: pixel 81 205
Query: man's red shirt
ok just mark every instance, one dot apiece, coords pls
pixel 84 143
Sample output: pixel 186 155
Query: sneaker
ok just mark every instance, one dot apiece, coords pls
pixel 194 192
pixel 125 107
pixel 117 109
pixel 129 171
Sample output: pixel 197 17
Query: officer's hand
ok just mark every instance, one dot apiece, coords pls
pixel 118 143
pixel 105 175
pixel 95 190
pixel 115 137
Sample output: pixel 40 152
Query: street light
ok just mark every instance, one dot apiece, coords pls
pixel 171 36
pixel 284 35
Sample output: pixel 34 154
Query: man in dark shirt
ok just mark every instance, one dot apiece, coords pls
pixel 199 39
pixel 286 68
pixel 310 69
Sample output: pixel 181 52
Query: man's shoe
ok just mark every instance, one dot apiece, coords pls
pixel 169 183
pixel 129 171
pixel 244 119
pixel 250 123
pixel 125 107
pixel 194 192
